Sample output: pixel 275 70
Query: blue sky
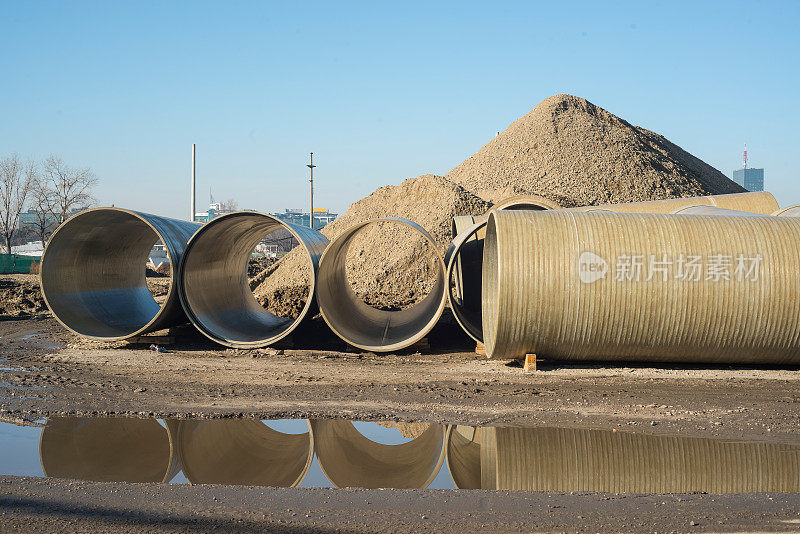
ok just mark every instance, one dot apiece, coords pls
pixel 379 91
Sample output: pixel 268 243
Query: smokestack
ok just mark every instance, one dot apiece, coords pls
pixel 192 203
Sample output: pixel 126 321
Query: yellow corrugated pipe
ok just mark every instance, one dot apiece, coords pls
pixel 615 286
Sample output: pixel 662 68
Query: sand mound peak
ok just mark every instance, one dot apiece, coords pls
pixel 577 153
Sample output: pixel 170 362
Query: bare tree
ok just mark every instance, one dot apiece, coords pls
pixel 72 188
pixel 43 204
pixel 16 178
pixel 228 205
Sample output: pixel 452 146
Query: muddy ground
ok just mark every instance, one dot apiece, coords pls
pixel 47 371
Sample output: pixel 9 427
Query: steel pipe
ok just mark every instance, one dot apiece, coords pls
pixel 565 459
pixel 349 459
pixel 614 286
pixel 109 449
pixel 214 289
pixel 93 272
pixel 755 202
pixel 791 211
pixel 247 452
pixel 465 254
pixel 366 327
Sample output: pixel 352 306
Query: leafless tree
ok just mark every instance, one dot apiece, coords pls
pixel 16 178
pixel 43 203
pixel 229 205
pixel 71 187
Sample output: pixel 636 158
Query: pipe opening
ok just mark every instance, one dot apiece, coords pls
pixel 464 264
pixel 93 274
pixel 158 273
pixel 353 318
pixel 215 288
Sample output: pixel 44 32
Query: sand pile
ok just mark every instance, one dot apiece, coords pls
pixel 388 265
pixel 571 151
pixel 566 149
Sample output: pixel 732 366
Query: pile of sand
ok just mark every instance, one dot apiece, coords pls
pixel 571 151
pixel 389 265
pixel 566 149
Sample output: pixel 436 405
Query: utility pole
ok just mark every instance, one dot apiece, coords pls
pixel 192 203
pixel 311 180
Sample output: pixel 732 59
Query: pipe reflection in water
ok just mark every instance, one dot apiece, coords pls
pixel 109 449
pixel 350 459
pixel 560 459
pixel 247 452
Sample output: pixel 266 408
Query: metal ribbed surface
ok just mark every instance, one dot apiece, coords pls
pixel 754 202
pixel 555 459
pixel 93 272
pixel 366 327
pixel 535 302
pixel 465 254
pixel 214 289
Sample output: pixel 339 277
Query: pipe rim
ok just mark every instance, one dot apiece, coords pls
pixel 195 320
pixel 526 202
pixel 340 245
pixel 475 332
pixel 162 307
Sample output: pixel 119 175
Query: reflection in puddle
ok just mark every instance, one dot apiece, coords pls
pixel 286 453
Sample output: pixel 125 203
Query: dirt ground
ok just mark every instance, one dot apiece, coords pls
pixel 37 505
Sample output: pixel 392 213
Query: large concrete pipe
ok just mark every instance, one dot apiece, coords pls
pixel 349 459
pixel 358 323
pixel 562 459
pixel 615 286
pixel 109 449
pixel 465 254
pixel 93 272
pixel 696 209
pixel 755 202
pixel 246 452
pixel 214 289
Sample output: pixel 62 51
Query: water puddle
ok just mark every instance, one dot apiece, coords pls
pixel 342 453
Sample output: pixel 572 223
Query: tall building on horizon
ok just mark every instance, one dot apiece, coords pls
pixel 750 179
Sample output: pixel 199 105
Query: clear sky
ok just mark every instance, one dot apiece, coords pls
pixel 379 91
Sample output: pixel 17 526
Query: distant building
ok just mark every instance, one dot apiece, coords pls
pixel 215 209
pixel 297 216
pixel 30 219
pixel 750 179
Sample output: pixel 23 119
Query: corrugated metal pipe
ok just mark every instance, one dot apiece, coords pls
pixel 465 254
pixel 614 286
pixel 93 272
pixel 214 289
pixel 358 323
pixel 565 459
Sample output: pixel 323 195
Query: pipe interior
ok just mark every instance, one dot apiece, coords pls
pixel 215 284
pixel 349 459
pixel 359 323
pixel 93 274
pixel 464 274
pixel 489 286
pixel 246 452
